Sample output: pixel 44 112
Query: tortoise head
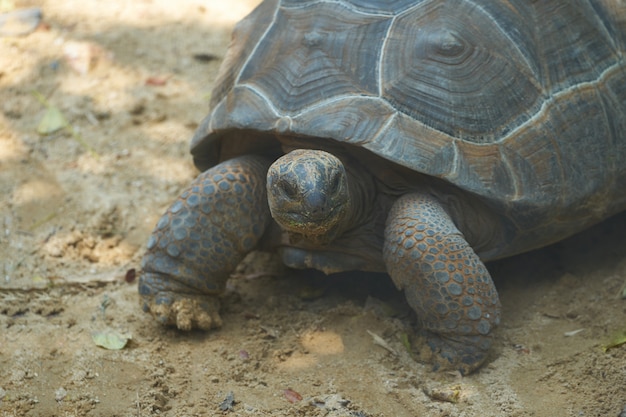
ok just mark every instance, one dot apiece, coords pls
pixel 308 193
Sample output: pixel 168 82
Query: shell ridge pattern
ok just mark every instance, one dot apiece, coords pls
pixel 348 4
pixel 512 173
pixel 316 61
pixel 606 31
pixel 560 165
pixel 435 58
pixel 605 12
pixel 502 30
pixel 211 126
pixel 386 126
pixel 552 100
pixel 613 134
pixel 380 132
pixel 383 48
pixel 260 41
pixel 456 163
pixel 336 99
pixel 263 96
pixel 381 57
pixel 345 4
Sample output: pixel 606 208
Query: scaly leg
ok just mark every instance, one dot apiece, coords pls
pixel 200 240
pixel 443 279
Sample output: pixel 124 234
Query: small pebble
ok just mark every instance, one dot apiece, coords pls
pixel 228 403
pixel 130 276
pixel 60 394
pixel 20 22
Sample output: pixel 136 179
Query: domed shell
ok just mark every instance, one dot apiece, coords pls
pixel 521 103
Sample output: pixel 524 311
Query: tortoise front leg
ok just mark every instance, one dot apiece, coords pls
pixel 200 240
pixel 443 279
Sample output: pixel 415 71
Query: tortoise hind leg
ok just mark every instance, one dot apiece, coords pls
pixel 200 240
pixel 443 279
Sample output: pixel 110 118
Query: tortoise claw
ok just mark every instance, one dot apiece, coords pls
pixel 185 311
pixel 464 354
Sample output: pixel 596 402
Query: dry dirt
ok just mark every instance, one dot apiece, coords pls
pixel 133 79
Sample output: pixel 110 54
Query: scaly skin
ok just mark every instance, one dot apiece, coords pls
pixel 200 240
pixel 443 280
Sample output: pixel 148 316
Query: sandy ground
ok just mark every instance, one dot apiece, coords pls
pixel 133 80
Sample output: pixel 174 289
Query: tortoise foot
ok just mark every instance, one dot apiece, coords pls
pixel 463 353
pixel 183 310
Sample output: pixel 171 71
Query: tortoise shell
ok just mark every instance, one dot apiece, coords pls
pixel 522 104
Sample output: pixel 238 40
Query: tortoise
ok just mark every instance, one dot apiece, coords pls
pixel 417 138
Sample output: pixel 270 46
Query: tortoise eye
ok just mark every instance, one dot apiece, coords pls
pixel 288 189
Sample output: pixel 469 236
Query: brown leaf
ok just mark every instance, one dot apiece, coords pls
pixel 157 81
pixel 292 396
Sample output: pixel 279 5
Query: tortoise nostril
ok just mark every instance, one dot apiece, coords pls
pixel 316 203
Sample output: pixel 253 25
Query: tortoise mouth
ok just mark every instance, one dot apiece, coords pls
pixel 311 223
